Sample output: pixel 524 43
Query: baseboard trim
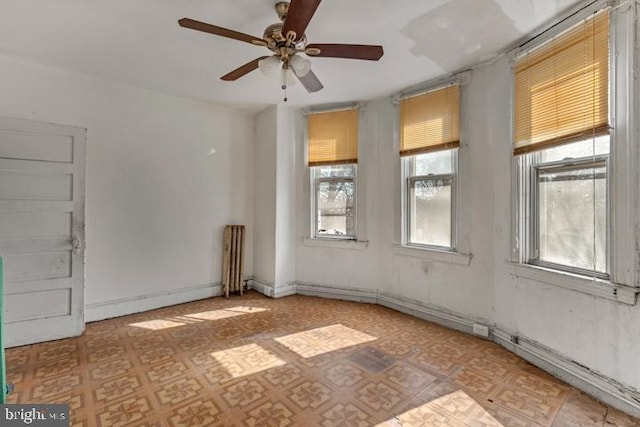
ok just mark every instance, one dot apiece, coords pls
pixel 606 389
pixel 405 305
pixel 326 291
pixel 428 312
pixel 284 290
pixel 137 304
pixel 263 286
pixel 270 289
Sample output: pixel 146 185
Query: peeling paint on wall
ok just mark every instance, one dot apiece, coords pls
pixel 521 12
pixel 460 33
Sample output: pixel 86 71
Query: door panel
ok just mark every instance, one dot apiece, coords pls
pixel 34 224
pixel 30 186
pixel 41 216
pixel 45 147
pixel 37 266
pixel 34 306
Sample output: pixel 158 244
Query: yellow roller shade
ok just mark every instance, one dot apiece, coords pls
pixel 333 137
pixel 430 122
pixel 562 88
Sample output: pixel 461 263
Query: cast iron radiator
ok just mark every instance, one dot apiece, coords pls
pixel 233 260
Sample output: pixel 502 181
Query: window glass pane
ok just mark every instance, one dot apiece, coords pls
pixel 335 171
pixel 430 212
pixel 436 163
pixel 577 150
pixel 572 217
pixel 335 210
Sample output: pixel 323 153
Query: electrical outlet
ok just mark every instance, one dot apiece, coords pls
pixel 481 330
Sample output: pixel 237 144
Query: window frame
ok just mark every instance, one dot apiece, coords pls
pixel 408 166
pixel 623 284
pixel 310 235
pixel 531 166
pixel 315 181
pixel 461 255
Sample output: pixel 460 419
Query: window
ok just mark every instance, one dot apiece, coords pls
pixel 333 154
pixel 568 202
pixel 335 201
pixel 562 146
pixel 430 184
pixel 429 137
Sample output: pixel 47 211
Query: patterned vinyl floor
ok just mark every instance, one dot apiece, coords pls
pixel 295 361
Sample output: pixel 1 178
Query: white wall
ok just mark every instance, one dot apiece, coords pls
pixel 265 195
pixel 156 204
pixel 275 201
pixel 285 201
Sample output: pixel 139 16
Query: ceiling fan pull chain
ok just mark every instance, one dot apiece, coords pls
pixel 284 82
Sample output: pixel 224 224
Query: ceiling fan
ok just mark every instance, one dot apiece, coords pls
pixel 287 40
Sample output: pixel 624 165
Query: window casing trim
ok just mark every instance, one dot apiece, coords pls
pixel 551 30
pixel 432 254
pixel 310 234
pixel 586 285
pixel 623 166
pixel 315 181
pixel 460 214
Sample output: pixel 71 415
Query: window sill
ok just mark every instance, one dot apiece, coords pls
pixel 335 243
pixel 575 282
pixel 447 257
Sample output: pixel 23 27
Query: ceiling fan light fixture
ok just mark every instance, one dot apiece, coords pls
pixel 300 65
pixel 269 66
pixel 282 7
pixel 288 78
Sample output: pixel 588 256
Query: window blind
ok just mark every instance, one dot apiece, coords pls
pixel 333 137
pixel 430 122
pixel 562 88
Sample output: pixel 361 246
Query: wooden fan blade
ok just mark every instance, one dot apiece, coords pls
pixel 298 16
pixel 241 71
pixel 219 31
pixel 350 51
pixel 310 82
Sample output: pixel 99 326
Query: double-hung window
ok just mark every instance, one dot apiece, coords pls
pixel 429 141
pixel 332 158
pixel 562 145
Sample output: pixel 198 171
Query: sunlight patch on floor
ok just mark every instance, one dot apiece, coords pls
pixel 225 313
pixel 158 324
pixel 323 340
pixel 456 408
pixel 246 360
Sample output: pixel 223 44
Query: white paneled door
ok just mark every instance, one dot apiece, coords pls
pixel 42 229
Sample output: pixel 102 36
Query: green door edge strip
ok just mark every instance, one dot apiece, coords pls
pixel 3 367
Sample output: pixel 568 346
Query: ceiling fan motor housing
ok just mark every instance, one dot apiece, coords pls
pixel 276 41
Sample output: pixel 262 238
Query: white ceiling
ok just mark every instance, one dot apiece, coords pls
pixel 139 43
